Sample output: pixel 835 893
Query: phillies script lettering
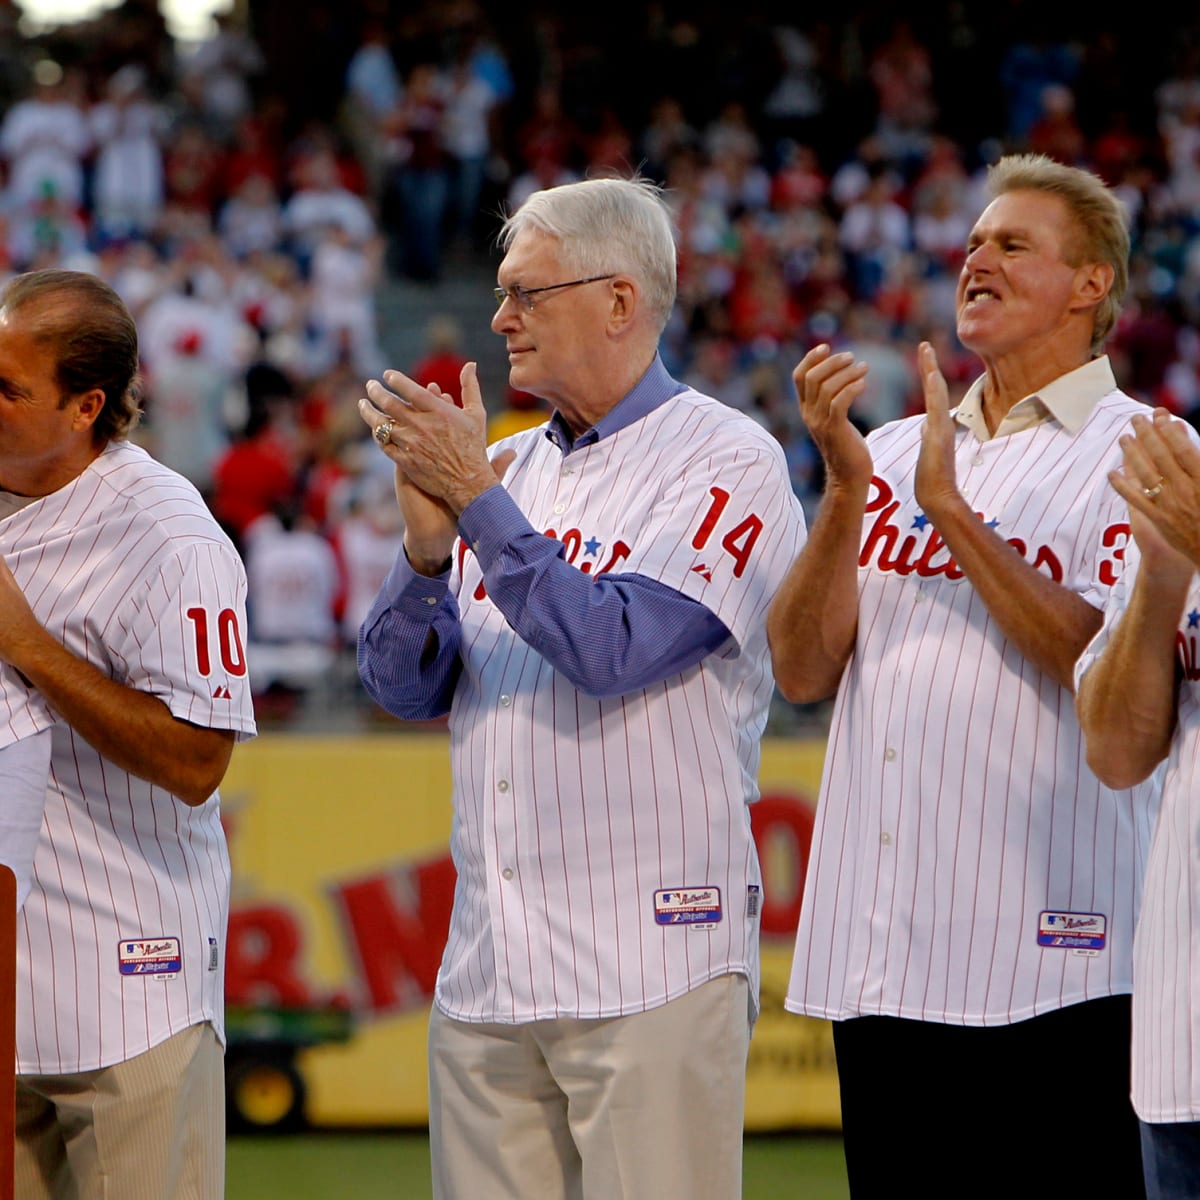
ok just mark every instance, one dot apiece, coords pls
pixel 738 542
pixel 1186 645
pixel 572 541
pixel 922 552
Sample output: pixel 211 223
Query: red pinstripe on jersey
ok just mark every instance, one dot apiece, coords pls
pixel 570 812
pixel 955 803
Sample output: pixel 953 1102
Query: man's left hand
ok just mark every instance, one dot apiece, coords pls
pixel 1160 481
pixel 440 447
pixel 935 484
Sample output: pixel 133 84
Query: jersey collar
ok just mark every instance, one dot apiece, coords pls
pixel 1069 400
pixel 654 389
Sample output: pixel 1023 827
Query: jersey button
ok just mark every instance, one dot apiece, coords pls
pixel 502 786
pixel 507 872
pixel 559 509
pixel 890 754
pixel 505 701
pixel 885 839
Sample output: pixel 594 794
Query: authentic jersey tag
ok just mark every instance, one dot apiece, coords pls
pixel 160 957
pixel 698 908
pixel 1084 933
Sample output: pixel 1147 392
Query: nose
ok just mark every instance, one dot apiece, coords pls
pixel 981 258
pixel 507 316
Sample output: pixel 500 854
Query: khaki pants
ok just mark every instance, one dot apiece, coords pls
pixel 644 1106
pixel 150 1128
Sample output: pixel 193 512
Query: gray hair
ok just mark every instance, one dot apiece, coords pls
pixel 621 226
pixel 1100 220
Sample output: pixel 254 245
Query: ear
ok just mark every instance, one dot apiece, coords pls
pixel 88 406
pixel 1093 281
pixel 626 300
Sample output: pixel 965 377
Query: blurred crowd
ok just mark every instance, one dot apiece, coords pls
pixel 250 204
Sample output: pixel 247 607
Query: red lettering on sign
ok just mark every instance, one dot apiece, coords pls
pixel 262 960
pixel 397 925
pixel 783 828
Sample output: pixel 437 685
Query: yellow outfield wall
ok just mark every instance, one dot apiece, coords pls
pixel 341 896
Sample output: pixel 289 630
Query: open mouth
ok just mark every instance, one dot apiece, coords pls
pixel 977 294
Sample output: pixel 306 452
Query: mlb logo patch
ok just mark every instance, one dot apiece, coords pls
pixel 160 957
pixel 1072 931
pixel 697 908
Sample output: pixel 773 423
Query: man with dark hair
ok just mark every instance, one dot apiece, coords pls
pixel 971 896
pixel 122 606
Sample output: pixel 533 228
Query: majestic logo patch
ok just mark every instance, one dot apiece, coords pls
pixel 1084 932
pixel 150 956
pixel 699 908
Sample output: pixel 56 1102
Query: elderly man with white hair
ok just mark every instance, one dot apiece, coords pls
pixel 595 627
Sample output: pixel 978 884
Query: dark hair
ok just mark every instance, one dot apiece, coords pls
pixel 94 339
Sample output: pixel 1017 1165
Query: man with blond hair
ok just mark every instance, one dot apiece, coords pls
pixel 970 902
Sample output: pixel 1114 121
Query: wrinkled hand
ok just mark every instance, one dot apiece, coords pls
pixel 826 385
pixel 440 447
pixel 935 483
pixel 440 453
pixel 1160 481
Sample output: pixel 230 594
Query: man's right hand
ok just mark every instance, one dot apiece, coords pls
pixel 827 384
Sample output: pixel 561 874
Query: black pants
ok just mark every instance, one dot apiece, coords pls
pixel 1038 1109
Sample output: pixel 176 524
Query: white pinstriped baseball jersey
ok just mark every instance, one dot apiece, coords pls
pixel 586 831
pixel 121 941
pixel 958 830
pixel 1166 953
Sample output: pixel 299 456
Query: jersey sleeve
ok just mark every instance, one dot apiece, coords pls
pixel 1106 557
pixel 184 641
pixel 1113 602
pixel 723 531
pixel 23 710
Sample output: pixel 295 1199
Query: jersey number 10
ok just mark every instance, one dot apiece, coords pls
pixel 229 640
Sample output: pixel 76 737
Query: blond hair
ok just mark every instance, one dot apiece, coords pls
pixel 1100 221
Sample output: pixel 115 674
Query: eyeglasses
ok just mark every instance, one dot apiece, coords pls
pixel 525 296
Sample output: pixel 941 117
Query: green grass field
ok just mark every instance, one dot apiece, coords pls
pixel 395 1166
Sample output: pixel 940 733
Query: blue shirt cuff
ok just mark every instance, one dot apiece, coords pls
pixel 491 523
pixel 411 593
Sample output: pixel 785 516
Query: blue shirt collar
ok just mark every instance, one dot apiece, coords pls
pixel 654 388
